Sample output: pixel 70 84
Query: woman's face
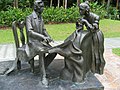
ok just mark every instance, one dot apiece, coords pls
pixel 82 11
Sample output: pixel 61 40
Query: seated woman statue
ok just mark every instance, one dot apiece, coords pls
pixel 85 52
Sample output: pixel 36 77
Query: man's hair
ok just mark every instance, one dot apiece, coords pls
pixel 35 3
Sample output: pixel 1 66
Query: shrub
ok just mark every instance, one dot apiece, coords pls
pixel 60 15
pixel 12 14
pixel 99 9
pixel 55 14
pixel 112 13
pixel 102 11
pixel 50 15
pixel 4 4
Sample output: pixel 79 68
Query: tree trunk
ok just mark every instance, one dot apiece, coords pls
pixel 51 3
pixel 15 3
pixel 78 2
pixel 103 1
pixel 58 3
pixel 117 4
pixel 65 4
pixel 108 4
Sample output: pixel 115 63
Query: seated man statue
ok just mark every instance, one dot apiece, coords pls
pixel 85 52
pixel 38 38
pixel 37 42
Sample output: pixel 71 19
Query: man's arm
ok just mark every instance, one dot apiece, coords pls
pixel 30 30
pixel 45 32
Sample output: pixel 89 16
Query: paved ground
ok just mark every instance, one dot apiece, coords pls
pixel 111 77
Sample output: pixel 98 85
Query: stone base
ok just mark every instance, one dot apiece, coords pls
pixel 25 80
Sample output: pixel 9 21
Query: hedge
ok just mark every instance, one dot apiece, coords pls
pixel 52 14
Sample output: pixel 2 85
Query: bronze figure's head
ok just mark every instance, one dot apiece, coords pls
pixel 84 8
pixel 38 6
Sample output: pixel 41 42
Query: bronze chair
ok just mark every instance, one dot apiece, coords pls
pixel 23 52
pixel 22 49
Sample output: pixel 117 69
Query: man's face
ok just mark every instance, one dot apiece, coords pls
pixel 40 6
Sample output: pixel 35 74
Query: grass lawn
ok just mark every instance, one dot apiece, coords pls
pixel 110 28
pixel 116 51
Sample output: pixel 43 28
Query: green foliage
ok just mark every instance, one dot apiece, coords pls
pixel 26 3
pixel 50 15
pixel 55 14
pixel 98 9
pixel 12 14
pixel 112 13
pixel 58 15
pixel 4 4
pixel 102 11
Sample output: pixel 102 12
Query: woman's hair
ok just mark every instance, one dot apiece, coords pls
pixel 85 6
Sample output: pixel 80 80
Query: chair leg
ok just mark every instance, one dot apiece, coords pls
pixel 16 63
pixel 31 62
pixel 42 69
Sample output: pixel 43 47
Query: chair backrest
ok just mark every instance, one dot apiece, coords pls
pixel 18 26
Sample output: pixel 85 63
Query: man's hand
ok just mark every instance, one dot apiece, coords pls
pixel 47 39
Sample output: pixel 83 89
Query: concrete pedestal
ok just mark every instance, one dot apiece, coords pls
pixel 25 80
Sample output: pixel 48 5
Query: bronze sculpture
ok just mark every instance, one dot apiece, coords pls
pixel 82 50
pixel 91 21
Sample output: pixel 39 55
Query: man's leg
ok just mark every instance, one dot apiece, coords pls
pixel 49 58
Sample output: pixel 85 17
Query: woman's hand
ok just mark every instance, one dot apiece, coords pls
pixel 87 24
pixel 84 21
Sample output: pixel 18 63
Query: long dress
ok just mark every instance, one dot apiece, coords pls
pixel 84 54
